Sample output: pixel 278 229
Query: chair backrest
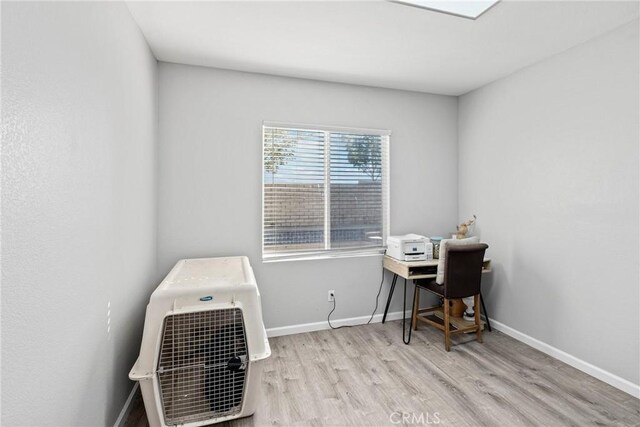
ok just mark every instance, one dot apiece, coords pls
pixel 463 272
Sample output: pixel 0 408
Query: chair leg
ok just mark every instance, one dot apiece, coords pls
pixel 476 303
pixel 416 307
pixel 447 338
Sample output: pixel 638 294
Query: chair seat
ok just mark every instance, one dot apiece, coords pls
pixel 432 286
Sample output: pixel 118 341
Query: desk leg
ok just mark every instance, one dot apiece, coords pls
pixel 486 315
pixel 393 287
pixel 404 316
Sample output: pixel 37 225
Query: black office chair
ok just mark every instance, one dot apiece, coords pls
pixel 462 276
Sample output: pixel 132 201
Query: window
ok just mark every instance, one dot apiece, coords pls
pixel 325 191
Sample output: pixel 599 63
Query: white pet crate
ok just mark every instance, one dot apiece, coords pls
pixel 203 344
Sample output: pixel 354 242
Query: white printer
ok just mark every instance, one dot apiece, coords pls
pixel 410 247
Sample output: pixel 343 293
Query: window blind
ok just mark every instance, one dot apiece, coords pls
pixel 325 191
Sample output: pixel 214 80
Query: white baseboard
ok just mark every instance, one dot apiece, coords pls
pixel 319 326
pixel 586 367
pixel 126 408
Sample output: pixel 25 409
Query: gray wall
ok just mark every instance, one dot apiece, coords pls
pixel 210 176
pixel 549 163
pixel 78 209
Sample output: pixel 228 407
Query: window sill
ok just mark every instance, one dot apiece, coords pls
pixel 323 255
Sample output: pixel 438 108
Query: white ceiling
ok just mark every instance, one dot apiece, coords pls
pixel 374 43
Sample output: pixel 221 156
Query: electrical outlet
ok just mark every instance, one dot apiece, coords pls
pixel 332 295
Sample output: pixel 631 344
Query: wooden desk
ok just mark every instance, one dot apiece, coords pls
pixel 420 269
pixel 414 270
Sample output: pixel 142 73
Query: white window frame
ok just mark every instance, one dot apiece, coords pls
pixel 385 176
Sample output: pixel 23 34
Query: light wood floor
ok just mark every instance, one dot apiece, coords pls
pixel 367 376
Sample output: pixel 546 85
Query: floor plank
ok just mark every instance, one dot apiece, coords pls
pixel 366 376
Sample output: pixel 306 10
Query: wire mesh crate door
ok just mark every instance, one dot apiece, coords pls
pixel 203 365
